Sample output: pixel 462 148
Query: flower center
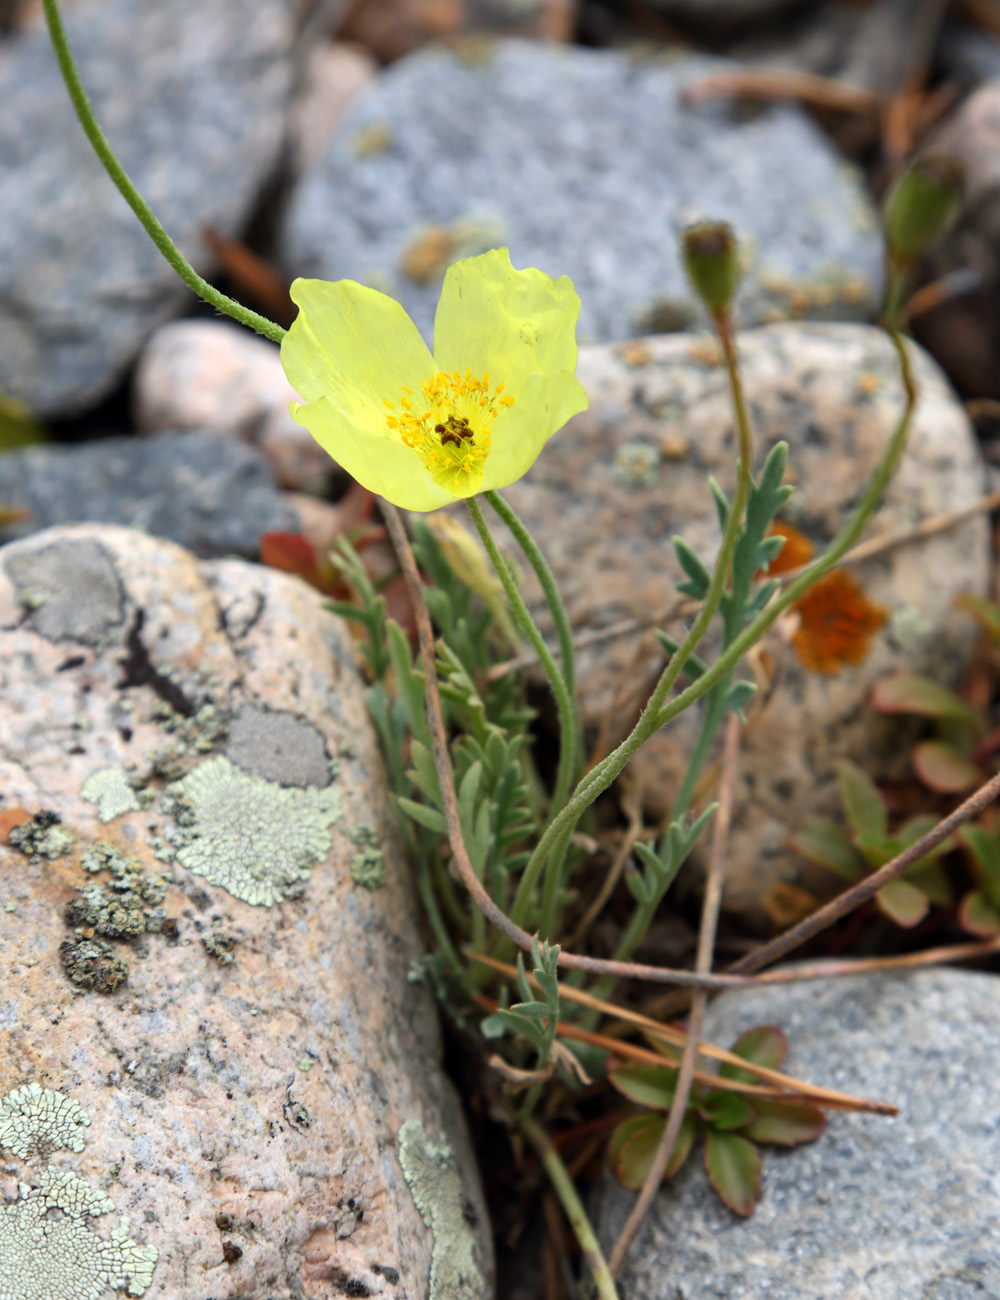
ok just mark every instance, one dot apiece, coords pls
pixel 451 433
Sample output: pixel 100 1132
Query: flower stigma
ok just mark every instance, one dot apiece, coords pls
pixel 452 434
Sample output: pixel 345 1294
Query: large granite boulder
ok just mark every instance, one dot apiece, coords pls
pixel 209 1017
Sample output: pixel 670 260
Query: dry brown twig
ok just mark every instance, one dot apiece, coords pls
pixel 703 964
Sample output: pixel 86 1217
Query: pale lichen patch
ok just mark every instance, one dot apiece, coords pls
pixel 110 791
pixel 256 839
pixel 35 1121
pixel 60 1258
pixel 42 837
pixel 436 1188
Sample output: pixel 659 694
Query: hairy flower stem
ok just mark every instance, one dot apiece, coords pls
pixel 564 702
pixel 563 1187
pixel 131 195
pixel 600 777
pixel 657 713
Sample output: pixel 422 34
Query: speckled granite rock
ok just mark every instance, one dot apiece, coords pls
pixel 965 331
pixel 214 496
pixel 213 376
pixel 548 149
pixel 876 1209
pixel 247 1085
pixel 612 489
pixel 192 99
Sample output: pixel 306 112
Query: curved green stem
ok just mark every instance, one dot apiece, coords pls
pixel 564 703
pixel 211 295
pixel 563 1187
pixel 594 784
pixel 534 556
pixel 657 714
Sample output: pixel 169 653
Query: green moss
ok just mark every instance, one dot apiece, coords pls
pixel 436 1188
pixel 256 839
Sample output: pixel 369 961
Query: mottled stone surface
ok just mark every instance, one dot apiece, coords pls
pixel 584 162
pixel 215 496
pixel 877 1208
pixel 191 97
pixel 662 405
pixel 332 74
pixel 246 1086
pixel 965 332
pixel 213 376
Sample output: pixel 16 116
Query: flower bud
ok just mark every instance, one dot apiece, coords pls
pixel 920 204
pixel 712 262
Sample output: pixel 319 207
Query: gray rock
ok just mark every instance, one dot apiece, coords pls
pixel 212 495
pixel 610 491
pixel 191 97
pixel 249 1081
pixel 877 1208
pixel 587 163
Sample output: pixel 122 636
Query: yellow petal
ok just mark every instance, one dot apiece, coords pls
pixel 379 463
pixel 511 323
pixel 543 406
pixel 353 346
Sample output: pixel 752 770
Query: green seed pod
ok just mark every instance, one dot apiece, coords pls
pixel 712 262
pixel 922 201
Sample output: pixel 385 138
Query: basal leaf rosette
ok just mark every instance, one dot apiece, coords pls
pixel 424 430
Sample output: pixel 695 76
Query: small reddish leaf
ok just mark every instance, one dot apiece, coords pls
pixel 785 1124
pixel 649 1085
pixel 293 553
pixel 635 1142
pixel 733 1165
pixel 725 1110
pixel 911 693
pixel 825 842
pixel 903 903
pixel 984 845
pixel 977 915
pixel 942 768
pixel 765 1045
pixel 986 614
pixel 864 806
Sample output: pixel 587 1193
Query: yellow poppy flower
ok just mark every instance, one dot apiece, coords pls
pixel 424 430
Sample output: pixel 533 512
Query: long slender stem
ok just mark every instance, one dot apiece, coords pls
pixel 564 702
pixel 546 580
pixel 703 964
pixel 562 1185
pixel 656 714
pixel 594 783
pixel 211 295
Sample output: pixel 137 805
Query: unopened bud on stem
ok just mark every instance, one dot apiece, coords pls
pixel 712 262
pixel 920 204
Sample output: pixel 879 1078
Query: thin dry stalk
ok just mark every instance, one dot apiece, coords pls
pixel 703 964
pixel 783 83
pixel 869 887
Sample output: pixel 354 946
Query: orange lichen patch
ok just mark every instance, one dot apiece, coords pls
pixel 797 550
pixel 837 623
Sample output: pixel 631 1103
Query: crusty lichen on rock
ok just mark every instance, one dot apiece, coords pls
pixel 56 1256
pixel 43 1257
pixel 256 839
pixel 35 1121
pixel 436 1188
pixel 110 791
